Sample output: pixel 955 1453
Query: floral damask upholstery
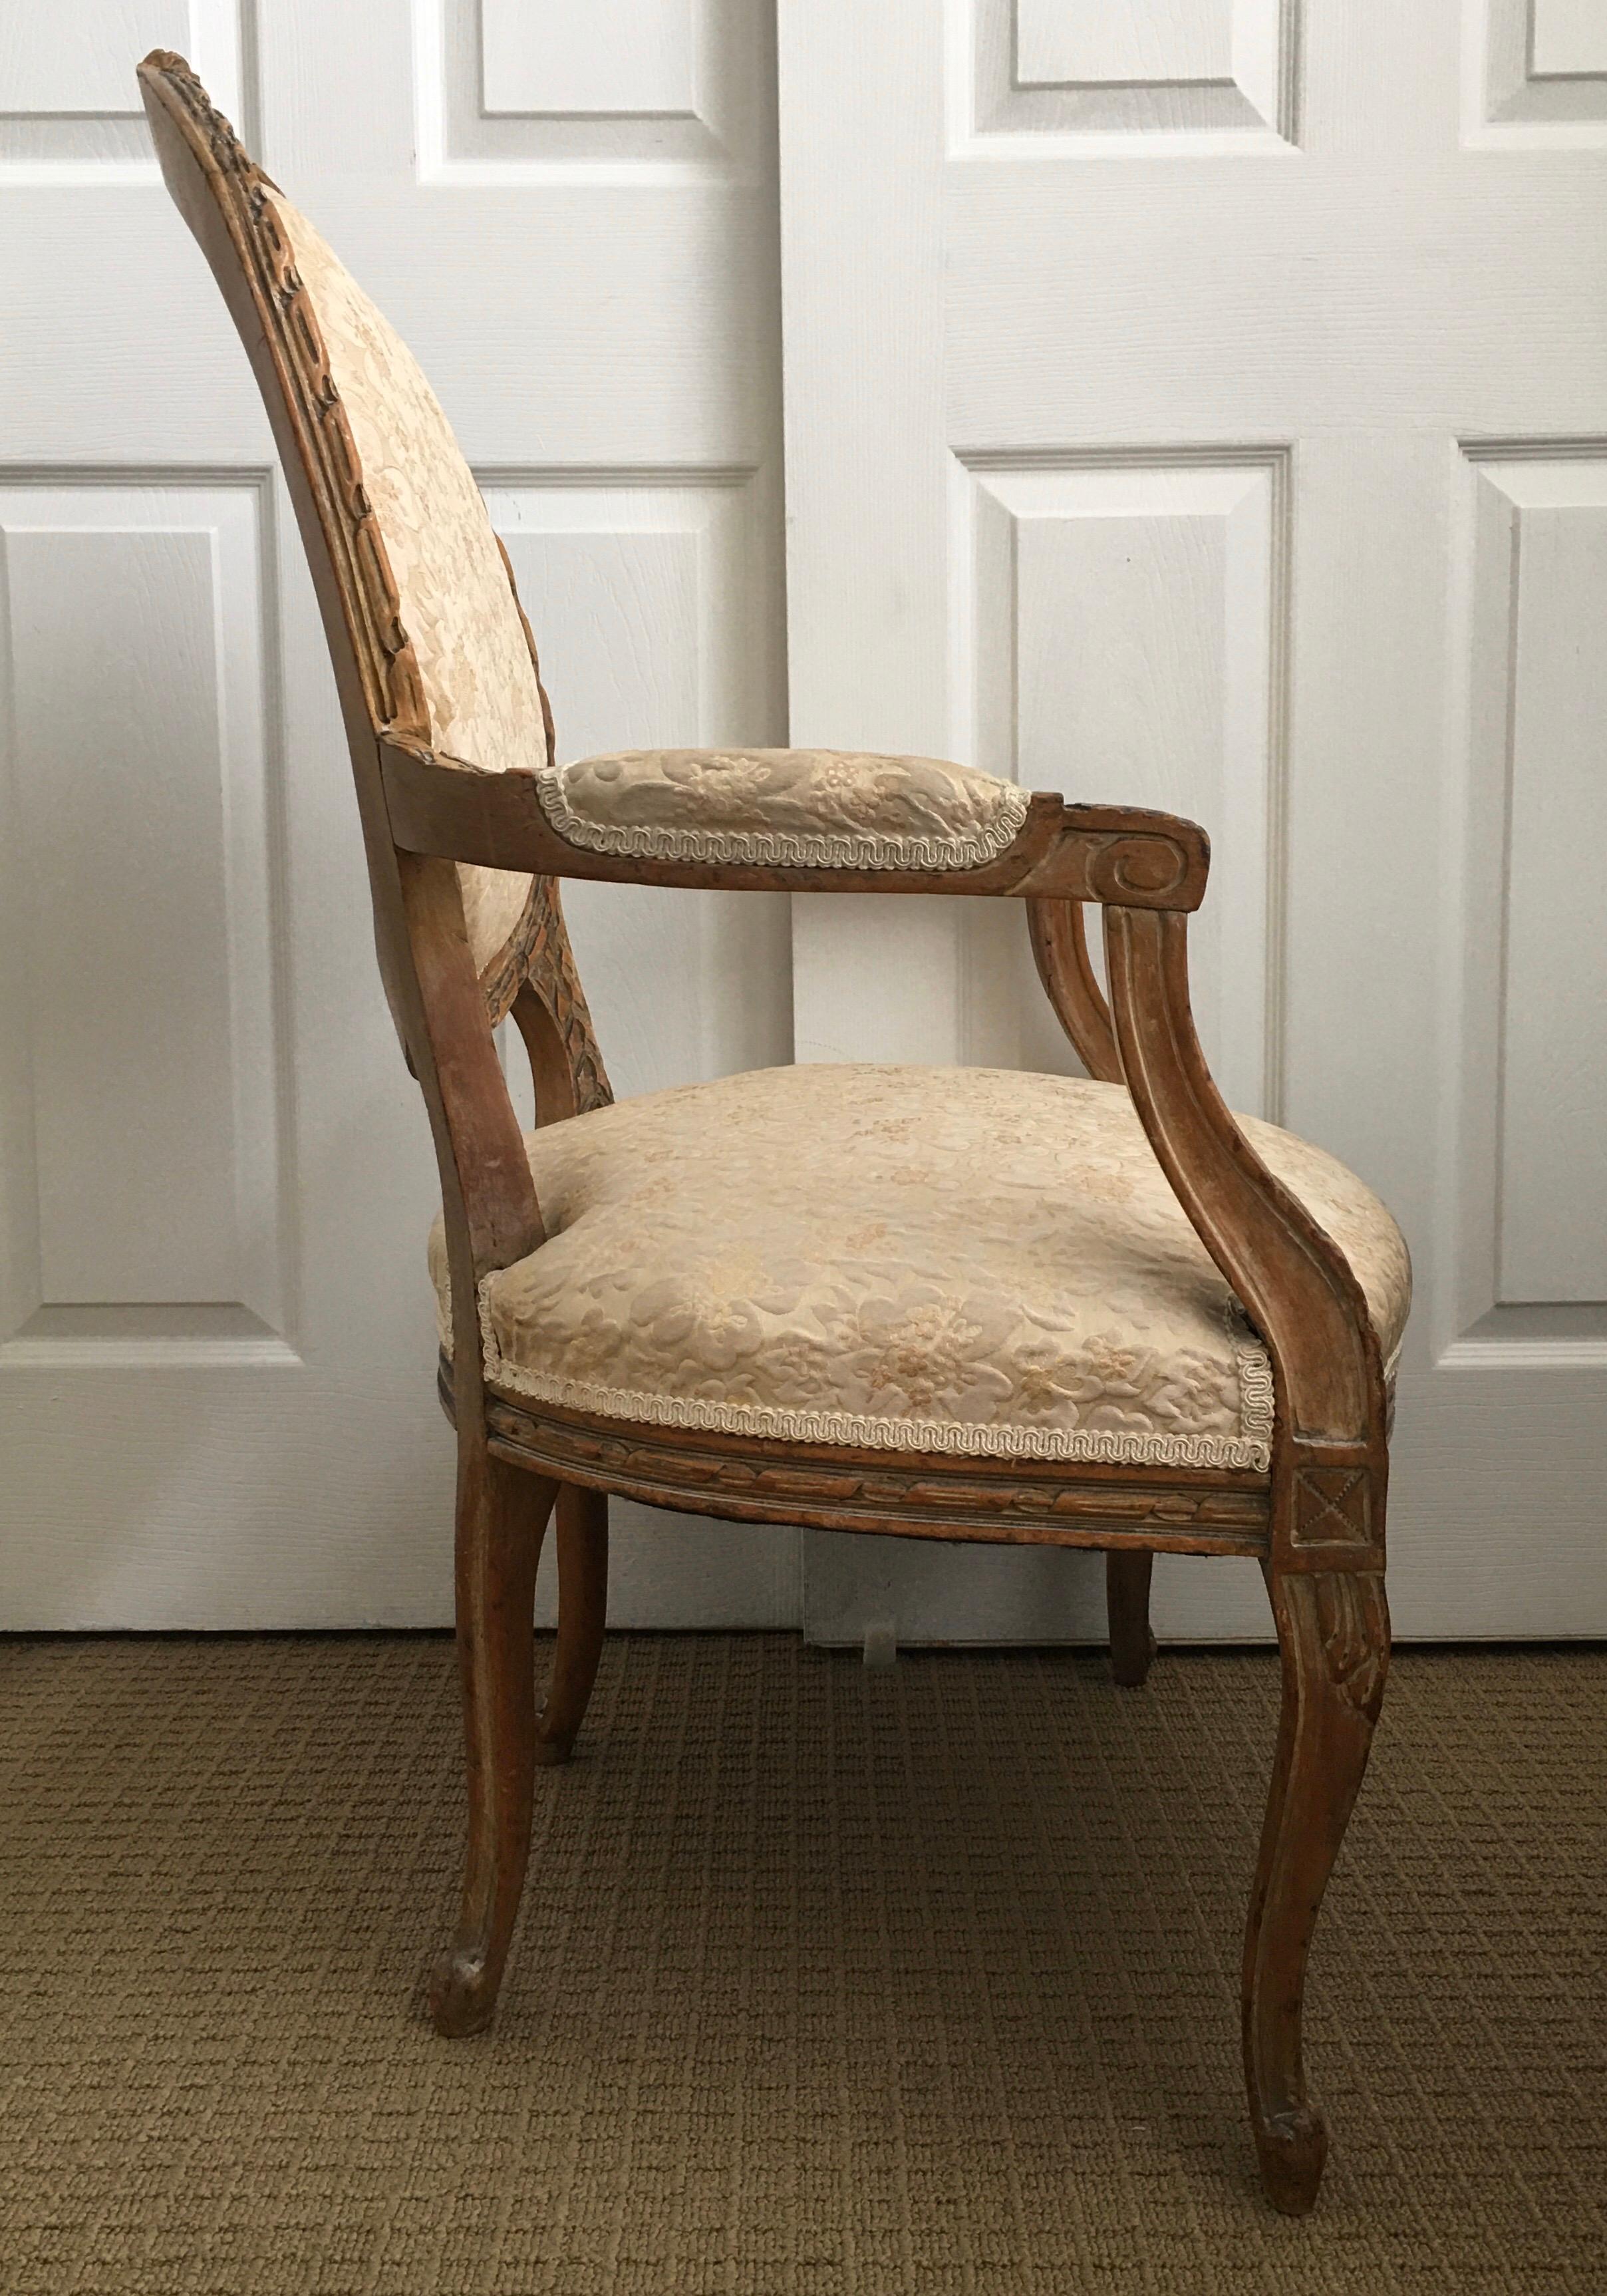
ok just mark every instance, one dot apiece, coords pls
pixel 773 808
pixel 963 1261
pixel 457 603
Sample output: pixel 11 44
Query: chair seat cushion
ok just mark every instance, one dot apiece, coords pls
pixel 973 1261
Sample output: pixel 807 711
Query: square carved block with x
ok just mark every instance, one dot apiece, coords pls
pixel 1333 1506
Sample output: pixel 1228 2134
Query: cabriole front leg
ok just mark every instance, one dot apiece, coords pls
pixel 1333 1633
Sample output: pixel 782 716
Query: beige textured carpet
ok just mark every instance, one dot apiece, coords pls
pixel 830 1980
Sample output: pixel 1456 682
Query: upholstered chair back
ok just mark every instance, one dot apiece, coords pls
pixel 453 590
pixel 410 570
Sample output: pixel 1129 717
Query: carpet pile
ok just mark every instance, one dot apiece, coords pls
pixel 854 1982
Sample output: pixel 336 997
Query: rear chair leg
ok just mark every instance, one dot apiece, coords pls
pixel 582 1608
pixel 1128 1605
pixel 502 1516
pixel 1334 1631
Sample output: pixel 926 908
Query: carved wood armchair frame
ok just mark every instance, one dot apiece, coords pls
pixel 1315 1522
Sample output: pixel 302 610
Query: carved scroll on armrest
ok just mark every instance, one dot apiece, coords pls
pixel 1330 1459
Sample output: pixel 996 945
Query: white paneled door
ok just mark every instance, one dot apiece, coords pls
pixel 215 1346
pixel 1206 405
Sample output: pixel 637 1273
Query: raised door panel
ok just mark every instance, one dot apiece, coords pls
pixel 69 107
pixel 542 57
pixel 75 57
pixel 1086 42
pixel 1531 1261
pixel 625 91
pixel 1125 641
pixel 1535 72
pixel 1554 1165
pixel 1058 73
pixel 145 1152
pixel 1567 39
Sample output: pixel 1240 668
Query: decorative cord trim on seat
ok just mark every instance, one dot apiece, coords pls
pixel 785 848
pixel 1252 1449
pixel 1258 1399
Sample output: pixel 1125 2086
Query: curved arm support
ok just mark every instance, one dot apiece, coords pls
pixel 552 1078
pixel 551 1016
pixel 567 1075
pixel 1059 950
pixel 1330 1459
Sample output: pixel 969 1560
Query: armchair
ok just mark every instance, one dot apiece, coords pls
pixel 932 1303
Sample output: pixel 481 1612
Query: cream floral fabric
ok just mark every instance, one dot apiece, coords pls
pixel 961 1261
pixel 457 603
pixel 773 808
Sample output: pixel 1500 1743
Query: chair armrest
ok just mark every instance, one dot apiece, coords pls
pixel 504 821
pixel 1330 1458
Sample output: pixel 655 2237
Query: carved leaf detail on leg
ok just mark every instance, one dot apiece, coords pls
pixel 1334 1633
pixel 1354 1626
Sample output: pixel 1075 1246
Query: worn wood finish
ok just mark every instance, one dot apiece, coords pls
pixel 582 1543
pixel 1334 1631
pixel 1329 1479
pixel 501 1517
pixel 1330 1458
pixel 1059 950
pixel 551 988
pixel 1294 1281
pixel 912 1494
pixel 1077 852
pixel 1317 1522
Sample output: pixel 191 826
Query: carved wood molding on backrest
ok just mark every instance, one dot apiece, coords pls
pixel 437 1001
pixel 554 981
pixel 538 948
pixel 547 959
pixel 369 595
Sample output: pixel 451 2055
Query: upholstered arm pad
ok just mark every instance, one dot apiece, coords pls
pixel 784 809
pixel 1123 854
